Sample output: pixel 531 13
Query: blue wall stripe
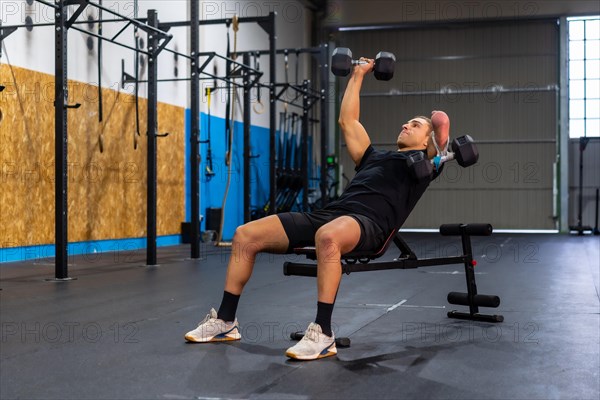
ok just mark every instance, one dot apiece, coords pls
pixel 211 191
pixel 188 175
pixel 83 248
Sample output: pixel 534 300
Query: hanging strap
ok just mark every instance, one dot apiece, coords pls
pixel 230 118
pixel 209 172
pixel 100 109
pixel 258 107
pixel 287 66
pixel 297 66
pixel 136 33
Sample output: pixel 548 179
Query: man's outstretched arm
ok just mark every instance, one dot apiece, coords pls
pixel 356 137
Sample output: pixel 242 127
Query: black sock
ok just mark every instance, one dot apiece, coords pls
pixel 228 307
pixel 324 311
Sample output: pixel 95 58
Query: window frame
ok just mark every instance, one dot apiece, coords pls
pixel 579 103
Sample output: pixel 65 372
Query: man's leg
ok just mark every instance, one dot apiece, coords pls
pixel 332 240
pixel 266 234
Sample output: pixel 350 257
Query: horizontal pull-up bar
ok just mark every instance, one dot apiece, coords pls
pixel 6 30
pixel 111 41
pixel 208 75
pixel 298 88
pixel 91 21
pixel 282 92
pixel 211 55
pixel 47 3
pixel 226 21
pixel 209 78
pixel 304 50
pixel 137 22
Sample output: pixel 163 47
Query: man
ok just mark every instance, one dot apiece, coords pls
pixel 375 203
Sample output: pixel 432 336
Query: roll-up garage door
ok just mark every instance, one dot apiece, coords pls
pixel 498 81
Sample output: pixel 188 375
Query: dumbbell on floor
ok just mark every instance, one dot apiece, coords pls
pixel 464 152
pixel 342 62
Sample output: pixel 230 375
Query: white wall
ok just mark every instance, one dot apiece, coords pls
pixel 292 30
pixel 35 50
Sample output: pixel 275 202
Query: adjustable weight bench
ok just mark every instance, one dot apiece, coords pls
pixel 360 261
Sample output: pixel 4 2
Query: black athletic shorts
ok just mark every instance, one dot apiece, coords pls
pixel 301 228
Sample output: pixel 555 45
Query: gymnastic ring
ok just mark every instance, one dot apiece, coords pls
pixel 259 107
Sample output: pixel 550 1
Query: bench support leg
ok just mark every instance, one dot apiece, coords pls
pixel 469 263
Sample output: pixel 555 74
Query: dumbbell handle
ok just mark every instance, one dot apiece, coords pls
pixel 439 160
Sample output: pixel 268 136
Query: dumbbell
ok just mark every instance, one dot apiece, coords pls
pixel 464 152
pixel 342 62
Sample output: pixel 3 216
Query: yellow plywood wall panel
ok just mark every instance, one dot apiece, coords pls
pixel 27 158
pixel 107 191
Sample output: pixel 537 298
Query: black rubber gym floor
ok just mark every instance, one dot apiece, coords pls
pixel 117 331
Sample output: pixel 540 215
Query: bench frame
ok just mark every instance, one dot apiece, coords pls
pixel 360 262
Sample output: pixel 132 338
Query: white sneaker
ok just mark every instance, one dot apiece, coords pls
pixel 315 344
pixel 212 329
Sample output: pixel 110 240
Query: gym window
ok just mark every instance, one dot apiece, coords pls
pixel 584 76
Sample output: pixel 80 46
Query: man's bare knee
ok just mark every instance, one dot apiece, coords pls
pixel 252 240
pixel 244 235
pixel 326 241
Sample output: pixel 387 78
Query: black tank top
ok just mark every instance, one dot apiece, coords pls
pixel 382 189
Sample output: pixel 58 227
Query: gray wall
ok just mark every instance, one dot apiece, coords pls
pixel 591 181
pixel 512 186
pixel 361 12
